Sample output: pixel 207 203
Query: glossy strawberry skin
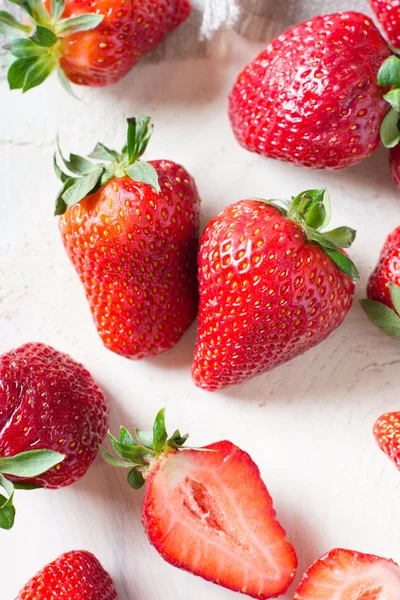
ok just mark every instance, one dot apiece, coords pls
pixel 387 435
pixel 135 251
pixel 345 574
pixel 225 512
pixel 130 29
pixel 388 13
pixel 75 575
pixel 48 401
pixel 387 270
pixel 311 97
pixel 266 295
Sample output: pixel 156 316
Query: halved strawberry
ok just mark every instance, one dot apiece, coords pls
pixel 348 575
pixel 387 435
pixel 207 511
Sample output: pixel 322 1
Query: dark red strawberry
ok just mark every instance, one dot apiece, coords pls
pixel 52 419
pixel 312 96
pixel 387 435
pixel 271 286
pixel 395 164
pixel 207 510
pixel 130 229
pixel 347 575
pixel 90 43
pixel 75 575
pixel 383 291
pixel 388 13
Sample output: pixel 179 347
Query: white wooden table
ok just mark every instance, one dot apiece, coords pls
pixel 307 424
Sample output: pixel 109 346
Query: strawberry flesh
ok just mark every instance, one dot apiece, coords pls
pixel 48 401
pixel 387 435
pixel 347 575
pixel 75 575
pixel 209 512
pixel 312 97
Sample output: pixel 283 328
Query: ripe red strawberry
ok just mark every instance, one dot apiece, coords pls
pixel 312 97
pixel 388 13
pixel 207 510
pixel 75 575
pixel 395 164
pixel 51 410
pixel 131 232
pixel 383 304
pixel 271 287
pixel 91 43
pixel 387 435
pixel 348 575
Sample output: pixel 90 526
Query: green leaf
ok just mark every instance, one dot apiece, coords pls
pixel 20 485
pixel 315 216
pixel 138 136
pixel 138 455
pixel 159 432
pixel 389 131
pixel 82 186
pixel 9 23
pixel 342 237
pixel 177 440
pixel 61 205
pixel 66 83
pixel 75 163
pixel 344 263
pixel 7 510
pixel 125 437
pixel 327 205
pixel 393 97
pixel 25 48
pixel 39 11
pixel 145 438
pixel 37 73
pixel 382 316
pixel 17 72
pixel 113 460
pixel 101 152
pixel 395 296
pixel 31 463
pixel 135 479
pixel 79 23
pixel 57 9
pixel 144 172
pixel 319 238
pixel 389 73
pixel 60 174
pixel 42 36
pixel 273 203
pixel 302 202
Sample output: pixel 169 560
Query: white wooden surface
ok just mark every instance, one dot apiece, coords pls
pixel 307 424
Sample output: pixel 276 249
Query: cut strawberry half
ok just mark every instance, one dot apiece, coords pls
pixel 348 575
pixel 207 511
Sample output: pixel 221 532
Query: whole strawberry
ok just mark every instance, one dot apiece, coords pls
pixel 312 96
pixel 395 164
pixel 207 510
pixel 388 14
pixel 75 575
pixel 383 291
pixel 387 435
pixel 52 419
pixel 349 575
pixel 130 229
pixel 90 43
pixel 272 285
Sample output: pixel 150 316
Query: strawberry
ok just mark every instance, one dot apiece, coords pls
pixel 387 435
pixel 130 229
pixel 312 96
pixel 75 575
pixel 388 13
pixel 383 291
pixel 52 419
pixel 207 510
pixel 271 286
pixel 348 575
pixel 395 164
pixel 90 43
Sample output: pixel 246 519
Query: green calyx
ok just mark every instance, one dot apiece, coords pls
pixel 24 466
pixel 389 76
pixel 384 317
pixel 35 49
pixel 312 211
pixel 137 452
pixel 88 174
